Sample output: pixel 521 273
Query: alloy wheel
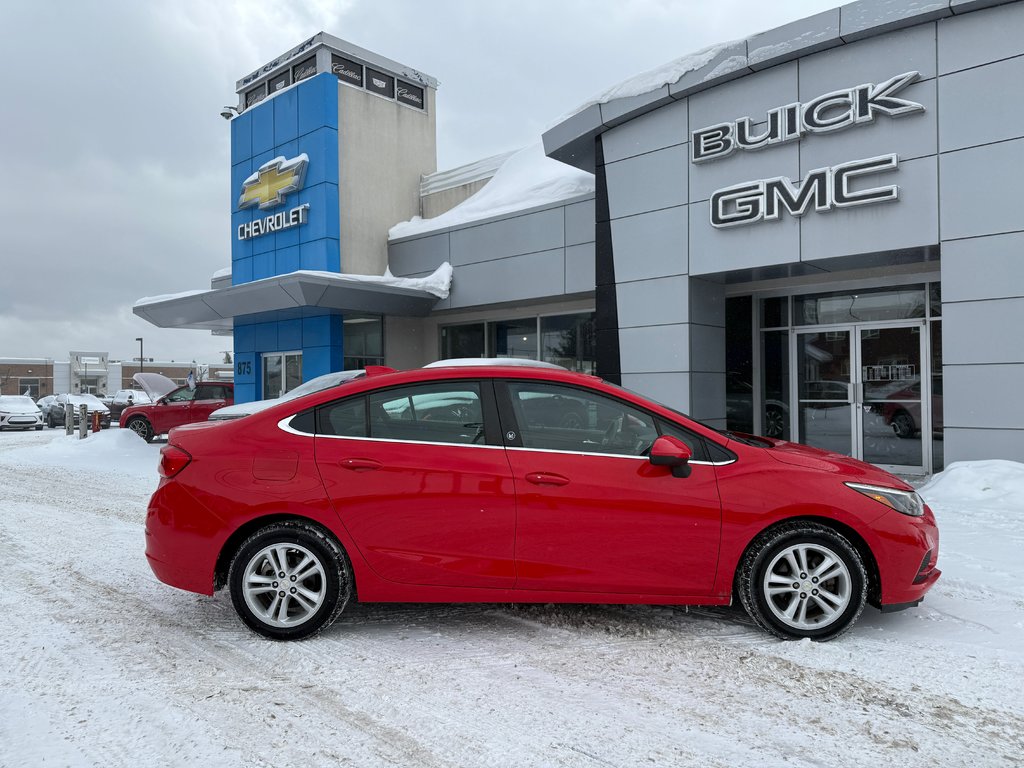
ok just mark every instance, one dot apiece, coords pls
pixel 284 584
pixel 807 586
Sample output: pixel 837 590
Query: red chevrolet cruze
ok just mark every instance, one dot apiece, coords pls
pixel 522 484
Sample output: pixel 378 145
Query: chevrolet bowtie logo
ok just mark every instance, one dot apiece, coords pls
pixel 273 182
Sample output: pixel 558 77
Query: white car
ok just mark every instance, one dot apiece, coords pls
pixel 19 412
pixel 313 385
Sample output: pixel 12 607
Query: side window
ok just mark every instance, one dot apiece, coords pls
pixel 558 418
pixel 182 395
pixel 433 413
pixel 345 418
pixel 696 442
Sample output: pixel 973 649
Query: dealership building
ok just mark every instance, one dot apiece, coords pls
pixel 808 233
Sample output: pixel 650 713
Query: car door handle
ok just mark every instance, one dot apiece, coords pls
pixel 546 478
pixel 361 465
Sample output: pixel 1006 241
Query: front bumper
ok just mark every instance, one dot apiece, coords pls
pixel 907 558
pixel 20 421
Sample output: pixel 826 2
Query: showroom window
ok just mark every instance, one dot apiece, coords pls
pixel 566 340
pixel 282 372
pixel 29 387
pixel 363 341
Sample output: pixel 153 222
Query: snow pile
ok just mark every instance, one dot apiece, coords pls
pixel 528 178
pixel 115 451
pixel 438 283
pixel 994 483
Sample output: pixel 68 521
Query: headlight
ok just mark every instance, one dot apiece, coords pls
pixel 905 502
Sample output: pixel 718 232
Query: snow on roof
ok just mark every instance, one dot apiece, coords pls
pixel 438 283
pixel 653 79
pixel 221 273
pixel 528 178
pixel 478 170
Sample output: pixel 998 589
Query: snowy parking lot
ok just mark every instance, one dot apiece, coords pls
pixel 103 665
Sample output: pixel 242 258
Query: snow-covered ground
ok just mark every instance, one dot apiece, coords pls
pixel 103 665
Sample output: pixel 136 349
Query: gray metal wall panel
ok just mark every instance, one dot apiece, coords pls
pixel 710 176
pixel 964 444
pixel 655 349
pixel 983 396
pixel 424 254
pixel 751 96
pixel 979 190
pixel 662 301
pixel 579 268
pixel 980 332
pixel 977 108
pixel 647 182
pixel 909 137
pixel 910 221
pixel 707 302
pixel 983 268
pixel 579 223
pixel 651 244
pixel 534 275
pixel 981 37
pixel 532 232
pixel 707 396
pixel 758 245
pixel 672 389
pixel 869 17
pixel 707 348
pixel 665 127
pixel 869 61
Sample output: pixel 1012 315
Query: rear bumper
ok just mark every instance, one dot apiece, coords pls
pixel 181 551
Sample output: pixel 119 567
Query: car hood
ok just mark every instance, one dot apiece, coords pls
pixel 16 409
pixel 797 455
pixel 156 385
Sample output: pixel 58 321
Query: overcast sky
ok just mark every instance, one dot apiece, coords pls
pixel 116 160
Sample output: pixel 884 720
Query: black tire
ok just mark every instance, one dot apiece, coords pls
pixel 50 422
pixel 765 562
pixel 903 425
pixel 255 601
pixel 38 427
pixel 141 427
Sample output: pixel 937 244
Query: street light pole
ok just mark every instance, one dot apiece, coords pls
pixel 141 358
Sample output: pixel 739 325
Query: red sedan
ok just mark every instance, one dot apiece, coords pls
pixel 466 484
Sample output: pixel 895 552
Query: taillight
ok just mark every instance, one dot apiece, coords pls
pixel 172 460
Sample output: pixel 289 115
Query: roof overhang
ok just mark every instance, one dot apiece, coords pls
pixel 215 310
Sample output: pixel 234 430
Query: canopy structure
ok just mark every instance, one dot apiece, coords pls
pixel 215 310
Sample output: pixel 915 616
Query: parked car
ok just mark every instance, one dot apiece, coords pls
pixel 313 385
pixel 44 404
pixel 172 406
pixel 739 408
pixel 302 506
pixel 125 398
pixel 19 412
pixel 902 409
pixel 55 414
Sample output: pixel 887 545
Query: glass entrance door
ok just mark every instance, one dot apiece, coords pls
pixel 858 392
pixel 282 372
pixel 892 419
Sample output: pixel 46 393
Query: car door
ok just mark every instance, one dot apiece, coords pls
pixel 594 515
pixel 209 397
pixel 421 485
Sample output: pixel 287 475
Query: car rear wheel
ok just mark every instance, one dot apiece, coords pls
pixel 802 580
pixel 141 427
pixel 289 581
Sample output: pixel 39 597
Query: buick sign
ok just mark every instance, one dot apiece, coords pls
pixel 830 112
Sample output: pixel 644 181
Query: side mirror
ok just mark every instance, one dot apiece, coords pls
pixel 669 451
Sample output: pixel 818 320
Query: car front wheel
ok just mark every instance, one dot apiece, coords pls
pixel 289 581
pixel 141 427
pixel 903 425
pixel 802 580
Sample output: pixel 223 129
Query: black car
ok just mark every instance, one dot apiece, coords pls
pixel 55 414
